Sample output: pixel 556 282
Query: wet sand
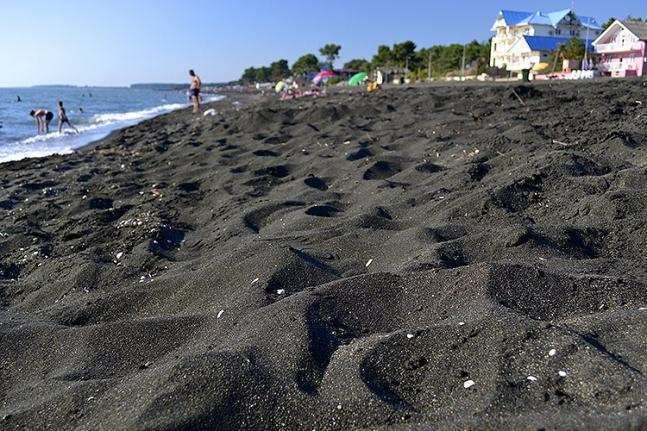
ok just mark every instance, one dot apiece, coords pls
pixel 443 257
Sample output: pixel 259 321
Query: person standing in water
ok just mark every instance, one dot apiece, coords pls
pixel 62 118
pixel 43 118
pixel 194 90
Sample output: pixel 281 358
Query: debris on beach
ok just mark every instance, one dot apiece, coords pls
pixel 468 384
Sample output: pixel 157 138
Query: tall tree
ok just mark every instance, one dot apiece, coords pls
pixel 403 52
pixel 608 23
pixel 331 53
pixel 249 75
pixel 263 74
pixel 358 64
pixel 574 49
pixel 384 56
pixel 305 64
pixel 279 70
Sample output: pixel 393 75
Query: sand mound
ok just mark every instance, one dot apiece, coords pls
pixel 419 258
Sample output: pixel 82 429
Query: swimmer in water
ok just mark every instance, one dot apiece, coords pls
pixel 43 118
pixel 62 118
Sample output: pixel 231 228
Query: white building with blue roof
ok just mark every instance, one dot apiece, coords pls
pixel 524 39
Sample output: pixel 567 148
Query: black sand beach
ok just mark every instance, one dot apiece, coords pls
pixel 444 257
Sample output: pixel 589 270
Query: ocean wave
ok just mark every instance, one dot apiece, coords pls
pixel 113 120
pixel 114 117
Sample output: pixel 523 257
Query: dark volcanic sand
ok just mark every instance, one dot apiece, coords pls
pixel 342 263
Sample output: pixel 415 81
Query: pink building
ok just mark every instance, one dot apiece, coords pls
pixel 622 49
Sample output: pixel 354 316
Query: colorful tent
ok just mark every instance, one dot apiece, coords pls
pixel 324 74
pixel 357 79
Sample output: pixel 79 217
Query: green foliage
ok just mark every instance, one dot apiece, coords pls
pixel 384 57
pixel 253 74
pixel 305 64
pixel 279 70
pixel 330 52
pixel 443 59
pixel 334 80
pixel 608 23
pixel 573 50
pixel 358 64
pixel 402 52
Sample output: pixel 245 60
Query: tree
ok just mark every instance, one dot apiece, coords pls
pixel 331 52
pixel 608 23
pixel 384 56
pixel 402 52
pixel 279 70
pixel 305 64
pixel 358 64
pixel 263 74
pixel 574 49
pixel 249 75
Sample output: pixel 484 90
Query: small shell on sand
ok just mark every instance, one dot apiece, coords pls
pixel 532 378
pixel 468 384
pixel 552 352
pixel 561 373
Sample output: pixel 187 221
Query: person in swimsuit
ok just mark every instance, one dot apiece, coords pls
pixel 62 118
pixel 43 118
pixel 194 90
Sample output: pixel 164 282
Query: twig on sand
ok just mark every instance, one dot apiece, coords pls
pixel 563 144
pixel 518 97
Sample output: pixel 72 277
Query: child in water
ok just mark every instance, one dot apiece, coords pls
pixel 62 118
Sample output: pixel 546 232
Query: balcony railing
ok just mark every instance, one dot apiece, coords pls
pixel 617 47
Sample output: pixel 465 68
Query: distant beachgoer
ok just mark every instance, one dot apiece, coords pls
pixel 194 90
pixel 43 118
pixel 81 110
pixel 18 99
pixel 62 118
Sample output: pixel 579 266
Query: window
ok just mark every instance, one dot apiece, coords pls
pixel 552 33
pixel 558 31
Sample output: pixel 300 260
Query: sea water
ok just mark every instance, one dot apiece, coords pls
pixel 94 111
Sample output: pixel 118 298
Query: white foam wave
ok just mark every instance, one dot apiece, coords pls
pixel 100 125
pixel 136 115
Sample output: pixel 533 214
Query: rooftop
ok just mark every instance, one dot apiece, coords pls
pixel 548 43
pixel 636 27
pixel 512 17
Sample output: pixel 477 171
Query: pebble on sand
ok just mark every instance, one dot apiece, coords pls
pixel 255 280
pixel 561 373
pixel 121 253
pixel 468 384
pixel 220 314
pixel 280 291
pixel 410 336
pixel 370 261
pixel 532 378
pixel 552 352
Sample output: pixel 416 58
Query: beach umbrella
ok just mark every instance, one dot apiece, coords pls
pixel 323 75
pixel 279 86
pixel 357 79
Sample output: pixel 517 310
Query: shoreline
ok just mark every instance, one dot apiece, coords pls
pixel 337 263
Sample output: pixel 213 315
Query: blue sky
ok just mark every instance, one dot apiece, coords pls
pixel 119 42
